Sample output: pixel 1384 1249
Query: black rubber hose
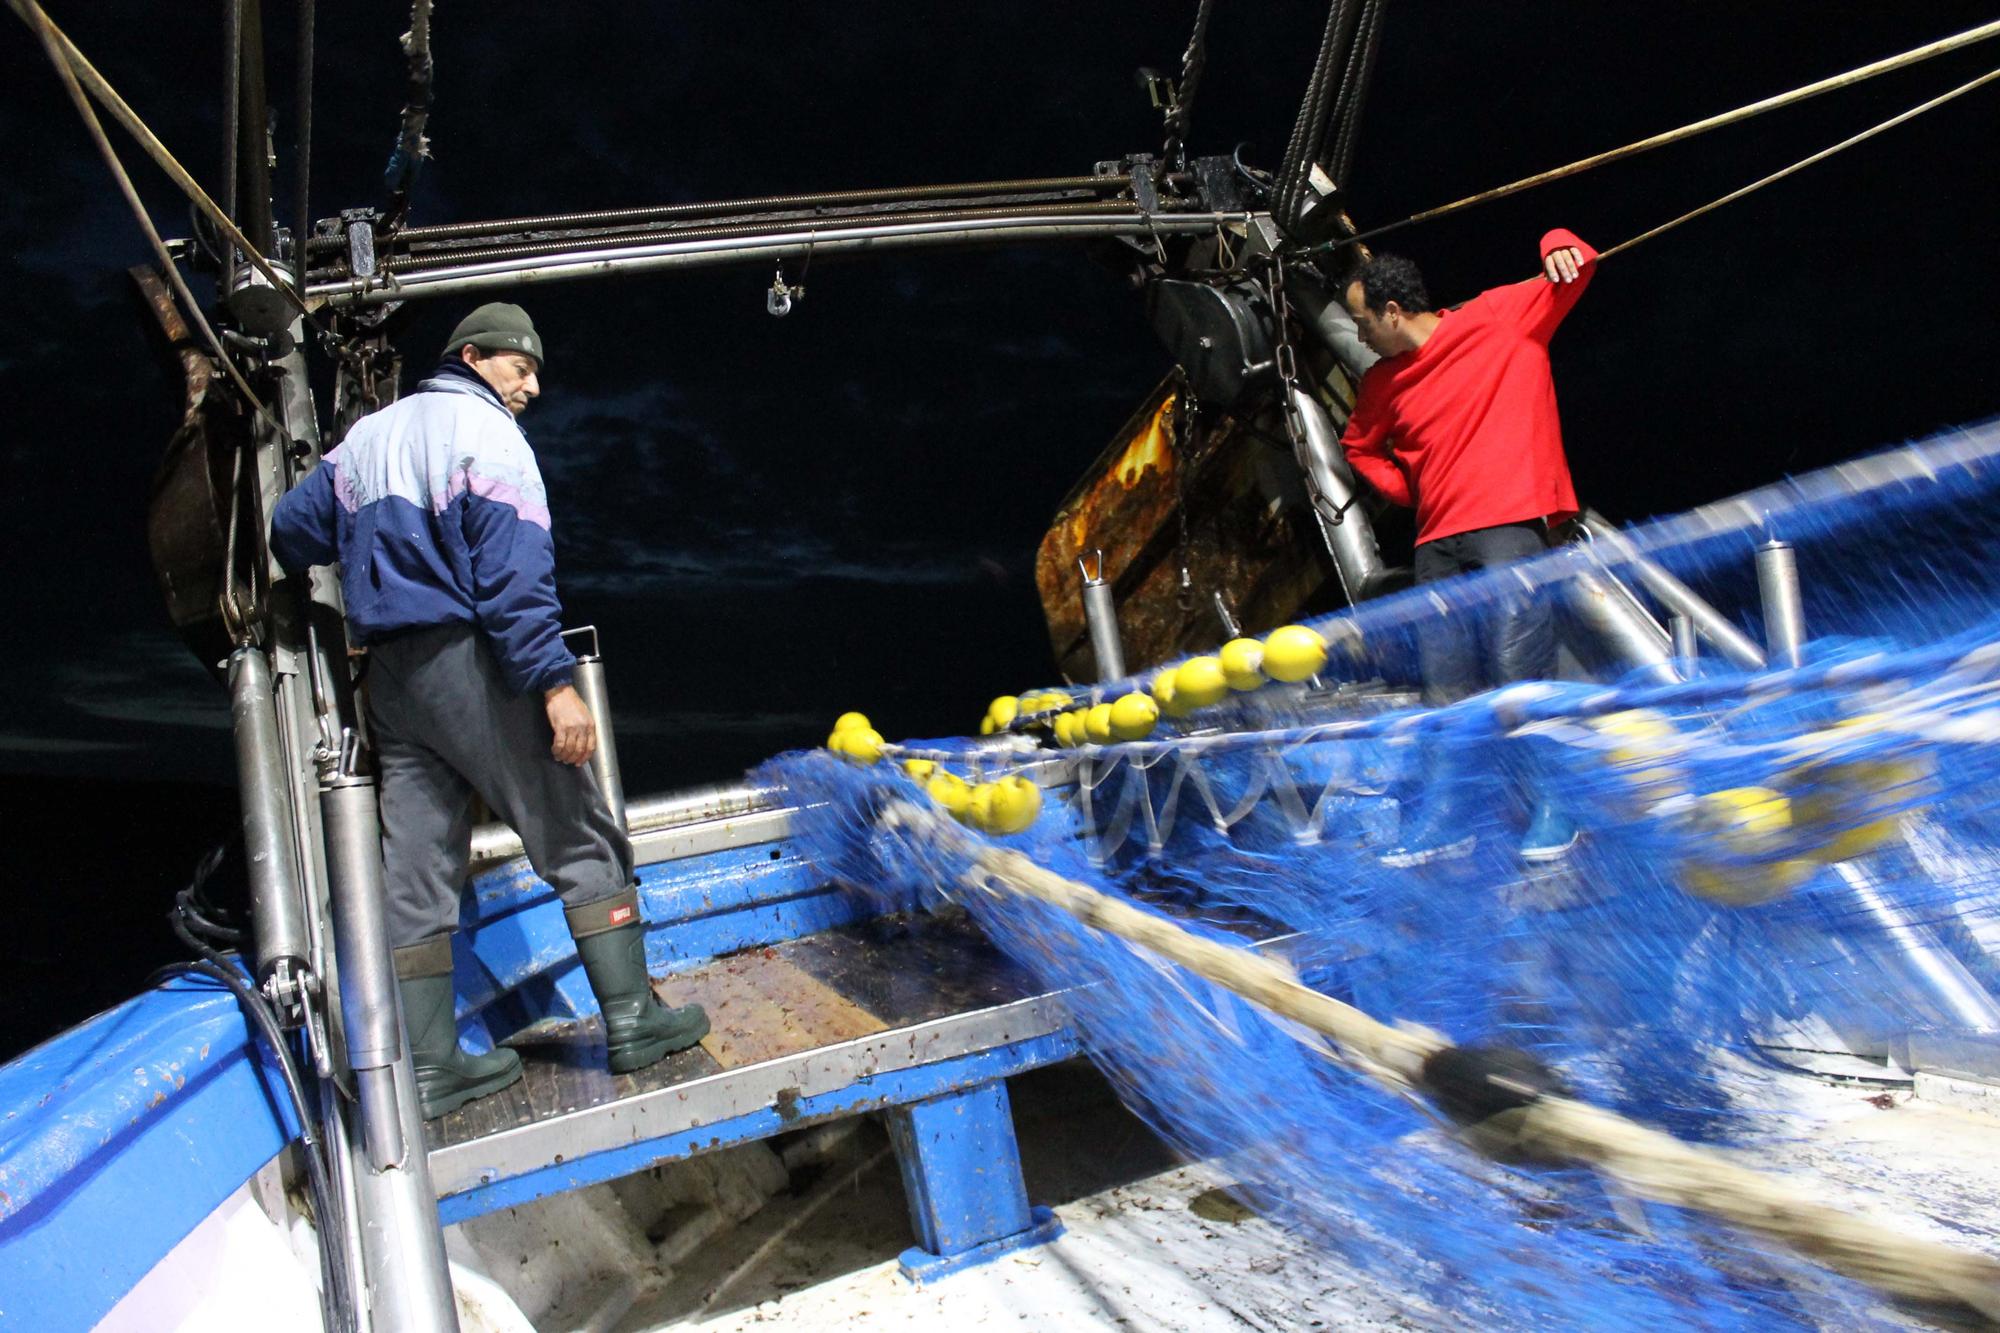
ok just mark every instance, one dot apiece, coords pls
pixel 336 1305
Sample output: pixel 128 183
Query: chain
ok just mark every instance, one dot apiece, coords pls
pixel 1285 357
pixel 1187 425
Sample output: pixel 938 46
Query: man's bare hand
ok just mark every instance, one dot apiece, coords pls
pixel 576 732
pixel 1564 265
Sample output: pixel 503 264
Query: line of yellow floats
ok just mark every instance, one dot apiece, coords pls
pixel 1010 804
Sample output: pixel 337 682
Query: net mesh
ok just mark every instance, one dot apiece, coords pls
pixel 1792 859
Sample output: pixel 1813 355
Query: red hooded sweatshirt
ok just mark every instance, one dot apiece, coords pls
pixel 1465 428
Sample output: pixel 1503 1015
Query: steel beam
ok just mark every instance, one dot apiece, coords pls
pixel 669 256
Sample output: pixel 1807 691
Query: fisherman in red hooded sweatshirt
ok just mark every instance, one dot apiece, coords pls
pixel 1458 420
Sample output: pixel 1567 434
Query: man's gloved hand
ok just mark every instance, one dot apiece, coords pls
pixel 576 732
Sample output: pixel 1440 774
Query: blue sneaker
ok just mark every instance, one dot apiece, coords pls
pixel 1551 834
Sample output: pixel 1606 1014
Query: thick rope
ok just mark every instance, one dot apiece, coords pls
pixel 412 148
pixel 1928 51
pixel 1193 62
pixel 1645 1162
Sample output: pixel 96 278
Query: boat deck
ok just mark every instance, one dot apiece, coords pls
pixel 862 1016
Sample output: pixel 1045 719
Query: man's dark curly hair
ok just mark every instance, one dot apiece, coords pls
pixel 1387 278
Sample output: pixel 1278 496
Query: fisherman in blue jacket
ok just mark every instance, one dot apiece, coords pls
pixel 435 511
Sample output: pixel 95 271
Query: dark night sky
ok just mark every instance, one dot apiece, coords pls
pixel 777 520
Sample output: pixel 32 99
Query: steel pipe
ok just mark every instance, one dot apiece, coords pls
pixel 1736 647
pixel 1349 536
pixel 589 681
pixel 669 256
pixel 769 203
pixel 1784 613
pixel 1328 319
pixel 402 1245
pixel 1609 613
pixel 1957 998
pixel 277 898
pixel 1100 615
pixel 360 922
pixel 1687 643
pixel 650 814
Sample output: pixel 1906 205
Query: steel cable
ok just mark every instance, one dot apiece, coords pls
pixel 1860 74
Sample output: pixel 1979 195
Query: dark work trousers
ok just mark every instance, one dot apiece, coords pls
pixel 1514 640
pixel 445 727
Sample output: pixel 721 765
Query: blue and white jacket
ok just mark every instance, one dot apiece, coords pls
pixel 435 510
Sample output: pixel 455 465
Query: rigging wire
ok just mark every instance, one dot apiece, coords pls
pixel 232 76
pixel 46 30
pixel 1805 162
pixel 1915 55
pixel 79 69
pixel 231 614
pixel 302 145
pixel 1345 126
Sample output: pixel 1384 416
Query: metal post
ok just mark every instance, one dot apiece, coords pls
pixel 1100 615
pixel 1349 536
pixel 402 1243
pixel 1687 644
pixel 589 682
pixel 1957 1000
pixel 1722 635
pixel 1596 600
pixel 1784 613
pixel 277 902
pixel 1329 320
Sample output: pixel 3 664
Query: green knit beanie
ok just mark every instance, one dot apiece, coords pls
pixel 498 327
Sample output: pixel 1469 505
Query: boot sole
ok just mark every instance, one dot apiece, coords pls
pixel 451 1101
pixel 1451 851
pixel 634 1058
pixel 1550 852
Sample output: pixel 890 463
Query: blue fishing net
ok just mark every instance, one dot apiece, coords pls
pixel 1772 863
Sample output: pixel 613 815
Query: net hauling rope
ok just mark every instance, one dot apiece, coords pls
pixel 1513 1101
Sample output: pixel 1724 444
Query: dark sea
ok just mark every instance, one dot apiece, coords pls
pixel 95 864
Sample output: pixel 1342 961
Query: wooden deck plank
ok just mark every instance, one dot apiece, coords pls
pixel 761 1006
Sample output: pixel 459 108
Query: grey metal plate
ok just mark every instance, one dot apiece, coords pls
pixel 900 971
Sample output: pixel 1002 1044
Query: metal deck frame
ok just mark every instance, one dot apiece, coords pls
pixel 718 877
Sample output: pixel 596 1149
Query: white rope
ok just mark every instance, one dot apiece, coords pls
pixel 1645 1162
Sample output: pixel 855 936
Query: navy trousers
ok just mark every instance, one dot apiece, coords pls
pixel 444 727
pixel 1515 640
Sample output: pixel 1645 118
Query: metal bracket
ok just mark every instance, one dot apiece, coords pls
pixel 359 224
pixel 1144 192
pixel 778 300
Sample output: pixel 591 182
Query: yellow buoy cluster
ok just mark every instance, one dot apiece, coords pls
pixel 1856 806
pixel 1008 805
pixel 1762 842
pixel 1010 710
pixel 1290 654
pixel 855 738
pixel 1753 826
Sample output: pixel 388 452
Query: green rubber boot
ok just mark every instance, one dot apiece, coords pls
pixel 448 1076
pixel 638 1029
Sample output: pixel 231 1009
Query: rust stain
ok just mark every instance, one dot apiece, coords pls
pixel 1248 535
pixel 1150 449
